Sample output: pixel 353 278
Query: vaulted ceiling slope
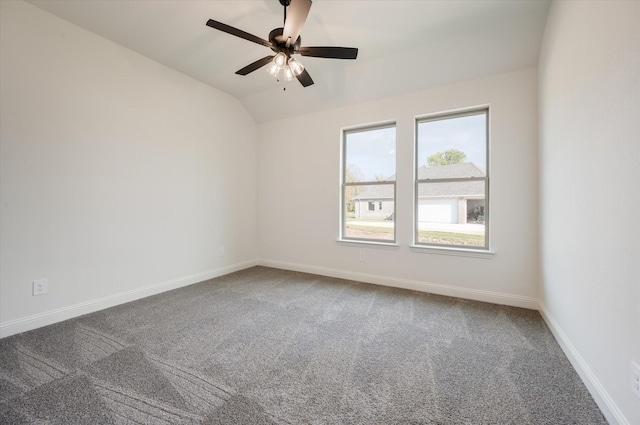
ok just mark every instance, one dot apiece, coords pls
pixel 404 46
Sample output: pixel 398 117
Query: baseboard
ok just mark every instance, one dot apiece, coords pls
pixel 606 404
pixel 433 288
pixel 54 316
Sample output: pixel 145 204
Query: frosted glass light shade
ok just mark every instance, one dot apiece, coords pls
pixel 296 67
pixel 273 69
pixel 288 73
pixel 280 59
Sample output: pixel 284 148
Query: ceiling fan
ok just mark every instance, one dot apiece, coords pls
pixel 286 42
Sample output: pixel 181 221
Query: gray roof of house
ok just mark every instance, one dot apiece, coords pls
pixel 436 190
pixel 467 169
pixel 451 189
pixel 375 192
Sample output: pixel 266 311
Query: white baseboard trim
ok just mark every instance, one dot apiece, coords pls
pixel 433 288
pixel 606 404
pixel 54 316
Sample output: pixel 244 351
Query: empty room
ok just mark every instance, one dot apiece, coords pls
pixel 319 212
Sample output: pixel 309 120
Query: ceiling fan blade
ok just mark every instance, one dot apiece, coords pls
pixel 296 17
pixel 255 65
pixel 330 52
pixel 238 33
pixel 304 78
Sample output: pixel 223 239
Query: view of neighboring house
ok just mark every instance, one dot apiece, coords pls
pixel 456 202
pixel 374 202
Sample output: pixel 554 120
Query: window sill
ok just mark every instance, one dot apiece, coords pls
pixel 354 242
pixel 461 252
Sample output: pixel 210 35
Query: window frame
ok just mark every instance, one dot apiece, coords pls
pixel 479 110
pixel 344 185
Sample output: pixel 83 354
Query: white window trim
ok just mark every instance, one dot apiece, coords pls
pixel 453 250
pixel 360 242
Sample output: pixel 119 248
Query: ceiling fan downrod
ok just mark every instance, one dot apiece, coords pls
pixel 285 3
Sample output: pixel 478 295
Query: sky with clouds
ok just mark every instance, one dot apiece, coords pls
pixel 371 153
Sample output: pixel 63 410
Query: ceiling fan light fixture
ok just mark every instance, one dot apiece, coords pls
pixel 288 73
pixel 280 59
pixel 296 67
pixel 273 69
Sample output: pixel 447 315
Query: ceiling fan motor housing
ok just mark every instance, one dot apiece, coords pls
pixel 280 45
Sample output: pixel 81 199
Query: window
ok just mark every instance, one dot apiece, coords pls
pixel 452 180
pixel 369 180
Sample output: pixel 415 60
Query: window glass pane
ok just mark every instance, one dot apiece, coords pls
pixel 368 209
pixel 370 155
pixel 453 140
pixel 451 213
pixel 369 212
pixel 451 200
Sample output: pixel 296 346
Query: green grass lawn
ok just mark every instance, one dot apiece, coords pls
pixel 374 229
pixel 450 238
pixel 426 236
pixel 369 232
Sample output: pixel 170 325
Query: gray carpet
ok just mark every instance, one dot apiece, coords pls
pixel 266 346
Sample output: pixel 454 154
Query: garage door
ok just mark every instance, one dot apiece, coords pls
pixel 438 211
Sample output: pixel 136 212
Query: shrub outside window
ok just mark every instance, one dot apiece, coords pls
pixel 369 183
pixel 452 180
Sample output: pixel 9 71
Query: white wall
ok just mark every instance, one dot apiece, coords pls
pixel 119 177
pixel 589 192
pixel 300 164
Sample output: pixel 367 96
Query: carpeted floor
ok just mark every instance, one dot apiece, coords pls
pixel 266 346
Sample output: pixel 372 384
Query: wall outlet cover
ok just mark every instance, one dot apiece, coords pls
pixel 40 286
pixel 635 379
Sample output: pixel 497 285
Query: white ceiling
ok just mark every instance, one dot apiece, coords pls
pixel 404 46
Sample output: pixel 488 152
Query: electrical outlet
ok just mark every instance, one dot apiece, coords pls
pixel 40 286
pixel 635 378
pixel 362 256
pixel 221 252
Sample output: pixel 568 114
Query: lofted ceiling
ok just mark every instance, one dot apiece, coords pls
pixel 404 46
